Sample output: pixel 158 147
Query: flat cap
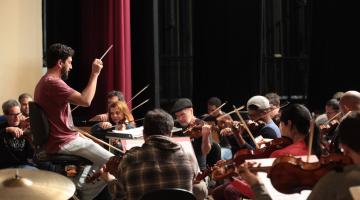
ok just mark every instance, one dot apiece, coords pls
pixel 181 104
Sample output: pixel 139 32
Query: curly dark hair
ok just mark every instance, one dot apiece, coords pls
pixel 58 51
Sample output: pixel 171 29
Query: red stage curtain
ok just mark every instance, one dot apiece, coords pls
pixel 106 22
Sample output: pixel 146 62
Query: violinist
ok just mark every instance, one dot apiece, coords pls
pixel 119 119
pixel 274 100
pixel 350 101
pixel 259 109
pixel 111 97
pixel 336 184
pixel 159 163
pixel 15 150
pixel 24 100
pixel 54 96
pixel 213 113
pixel 294 124
pixel 332 107
pixel 184 113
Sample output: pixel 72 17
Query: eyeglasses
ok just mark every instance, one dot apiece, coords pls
pixel 14 114
pixel 331 112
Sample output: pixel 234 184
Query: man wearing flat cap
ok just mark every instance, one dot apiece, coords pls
pixel 183 110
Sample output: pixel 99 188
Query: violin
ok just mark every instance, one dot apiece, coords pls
pixel 325 129
pixel 111 166
pixel 194 129
pixel 240 156
pixel 236 125
pixel 292 175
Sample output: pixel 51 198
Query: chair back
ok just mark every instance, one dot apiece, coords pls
pixel 169 193
pixel 39 124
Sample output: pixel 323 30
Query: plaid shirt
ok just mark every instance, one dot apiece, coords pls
pixel 159 163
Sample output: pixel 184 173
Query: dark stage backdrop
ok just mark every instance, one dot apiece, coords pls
pixel 204 48
pixel 334 50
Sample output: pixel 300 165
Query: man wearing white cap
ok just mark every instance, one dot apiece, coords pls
pixel 259 109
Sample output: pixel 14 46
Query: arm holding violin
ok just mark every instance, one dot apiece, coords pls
pixel 238 135
pixel 257 187
pixel 205 144
pixel 109 172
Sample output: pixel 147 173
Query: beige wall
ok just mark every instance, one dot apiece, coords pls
pixel 20 47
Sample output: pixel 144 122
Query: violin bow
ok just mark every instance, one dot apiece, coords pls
pixel 218 108
pixel 231 112
pixel 335 116
pixel 270 110
pixel 138 93
pixel 246 127
pixel 83 133
pixel 75 108
pixel 139 105
pixel 311 138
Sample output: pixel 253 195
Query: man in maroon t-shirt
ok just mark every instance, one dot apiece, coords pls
pixel 54 96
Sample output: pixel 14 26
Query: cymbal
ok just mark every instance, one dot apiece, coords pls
pixel 18 183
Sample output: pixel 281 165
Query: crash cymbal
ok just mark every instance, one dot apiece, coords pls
pixel 34 184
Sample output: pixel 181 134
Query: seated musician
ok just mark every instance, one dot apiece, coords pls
pixel 259 109
pixel 334 185
pixel 158 163
pixel 294 124
pixel 350 101
pixel 331 109
pixel 24 100
pixel 15 149
pixel 119 119
pixel 212 116
pixel 274 100
pixel 112 96
pixel 332 104
pixel 184 113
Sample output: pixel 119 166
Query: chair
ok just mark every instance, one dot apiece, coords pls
pixel 214 154
pixel 168 193
pixel 40 130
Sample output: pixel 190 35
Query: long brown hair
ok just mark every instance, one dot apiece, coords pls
pixel 122 107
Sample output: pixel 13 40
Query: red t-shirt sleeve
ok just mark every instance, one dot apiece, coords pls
pixel 59 91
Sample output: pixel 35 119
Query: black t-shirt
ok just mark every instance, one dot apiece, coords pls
pixel 14 151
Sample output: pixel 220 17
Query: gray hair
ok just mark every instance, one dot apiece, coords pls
pixel 7 105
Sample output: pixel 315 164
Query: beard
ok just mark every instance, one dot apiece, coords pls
pixel 64 74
